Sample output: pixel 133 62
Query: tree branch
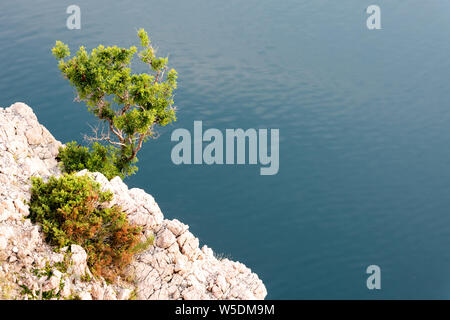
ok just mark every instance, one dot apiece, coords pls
pixel 102 137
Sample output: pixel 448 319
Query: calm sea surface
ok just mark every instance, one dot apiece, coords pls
pixel 364 119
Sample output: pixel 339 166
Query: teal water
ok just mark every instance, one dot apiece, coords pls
pixel 364 119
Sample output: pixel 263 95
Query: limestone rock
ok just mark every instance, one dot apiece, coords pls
pixel 78 266
pixel 174 267
pixel 165 239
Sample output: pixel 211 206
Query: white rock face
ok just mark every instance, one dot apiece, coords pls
pixel 174 267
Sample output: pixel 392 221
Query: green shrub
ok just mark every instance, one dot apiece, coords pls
pixel 98 158
pixel 70 212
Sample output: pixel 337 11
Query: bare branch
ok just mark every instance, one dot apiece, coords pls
pixel 102 136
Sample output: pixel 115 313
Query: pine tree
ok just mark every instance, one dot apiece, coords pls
pixel 129 105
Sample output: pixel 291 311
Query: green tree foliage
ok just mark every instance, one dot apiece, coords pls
pixel 129 105
pixel 70 211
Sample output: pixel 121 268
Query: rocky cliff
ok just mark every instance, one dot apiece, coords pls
pixel 174 267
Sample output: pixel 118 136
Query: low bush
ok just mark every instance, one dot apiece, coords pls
pixel 97 158
pixel 70 212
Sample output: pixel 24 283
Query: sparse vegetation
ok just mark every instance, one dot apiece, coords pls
pixel 222 256
pixel 133 295
pixel 6 288
pixel 142 246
